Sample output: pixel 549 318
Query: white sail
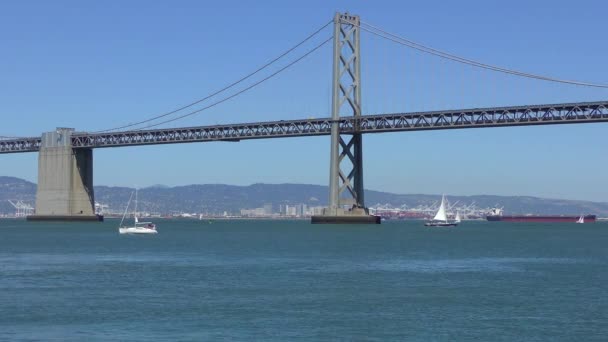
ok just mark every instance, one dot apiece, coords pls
pixel 441 214
pixel 457 219
pixel 581 219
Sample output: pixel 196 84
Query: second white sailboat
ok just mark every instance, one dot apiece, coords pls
pixel 138 227
pixel 441 218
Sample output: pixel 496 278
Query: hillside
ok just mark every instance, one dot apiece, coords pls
pixel 216 198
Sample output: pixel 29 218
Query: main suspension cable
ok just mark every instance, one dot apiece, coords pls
pixel 310 36
pixel 423 48
pixel 242 90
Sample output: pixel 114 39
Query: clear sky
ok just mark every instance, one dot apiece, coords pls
pixel 99 64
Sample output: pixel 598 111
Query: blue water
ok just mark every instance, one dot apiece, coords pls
pixel 289 280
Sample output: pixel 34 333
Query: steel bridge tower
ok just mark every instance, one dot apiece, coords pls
pixel 346 185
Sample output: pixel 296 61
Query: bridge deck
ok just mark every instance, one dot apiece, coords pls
pixel 564 113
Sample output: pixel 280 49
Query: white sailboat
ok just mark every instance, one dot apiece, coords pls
pixel 138 227
pixel 441 218
pixel 581 219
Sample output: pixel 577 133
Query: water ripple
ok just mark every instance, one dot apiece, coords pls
pixel 439 265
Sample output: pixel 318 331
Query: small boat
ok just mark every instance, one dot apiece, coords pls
pixel 138 227
pixel 581 219
pixel 441 218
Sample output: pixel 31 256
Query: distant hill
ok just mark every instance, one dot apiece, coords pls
pixel 217 198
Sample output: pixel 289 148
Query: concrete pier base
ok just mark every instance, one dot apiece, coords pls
pixel 341 216
pixel 65 180
pixel 65 218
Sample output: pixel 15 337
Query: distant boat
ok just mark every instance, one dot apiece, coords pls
pixel 457 218
pixel 581 219
pixel 441 218
pixel 138 227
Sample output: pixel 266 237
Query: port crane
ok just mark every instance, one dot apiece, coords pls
pixel 426 210
pixel 22 209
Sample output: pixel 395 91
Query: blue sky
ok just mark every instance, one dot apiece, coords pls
pixel 95 65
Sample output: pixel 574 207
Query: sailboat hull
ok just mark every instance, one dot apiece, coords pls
pixel 441 224
pixel 136 230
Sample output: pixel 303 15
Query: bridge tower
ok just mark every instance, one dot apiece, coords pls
pixel 65 180
pixel 346 186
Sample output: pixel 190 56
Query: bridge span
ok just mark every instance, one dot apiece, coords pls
pixel 549 114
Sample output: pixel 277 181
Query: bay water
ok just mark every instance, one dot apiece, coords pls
pixel 280 280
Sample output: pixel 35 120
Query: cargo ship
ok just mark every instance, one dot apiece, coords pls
pixel 496 215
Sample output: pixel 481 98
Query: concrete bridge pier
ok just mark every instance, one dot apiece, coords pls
pixel 65 180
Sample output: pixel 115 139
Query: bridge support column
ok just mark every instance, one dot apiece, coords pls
pixel 346 204
pixel 65 180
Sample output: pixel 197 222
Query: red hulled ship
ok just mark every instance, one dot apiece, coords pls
pixel 496 215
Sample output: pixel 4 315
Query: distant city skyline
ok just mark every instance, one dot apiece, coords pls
pixel 288 200
pixel 92 66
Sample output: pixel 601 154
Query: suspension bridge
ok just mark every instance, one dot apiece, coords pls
pixel 65 162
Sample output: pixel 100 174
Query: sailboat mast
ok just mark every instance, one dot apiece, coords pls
pixel 135 212
pixel 126 209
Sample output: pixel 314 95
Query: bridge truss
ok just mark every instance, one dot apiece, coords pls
pixel 565 113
